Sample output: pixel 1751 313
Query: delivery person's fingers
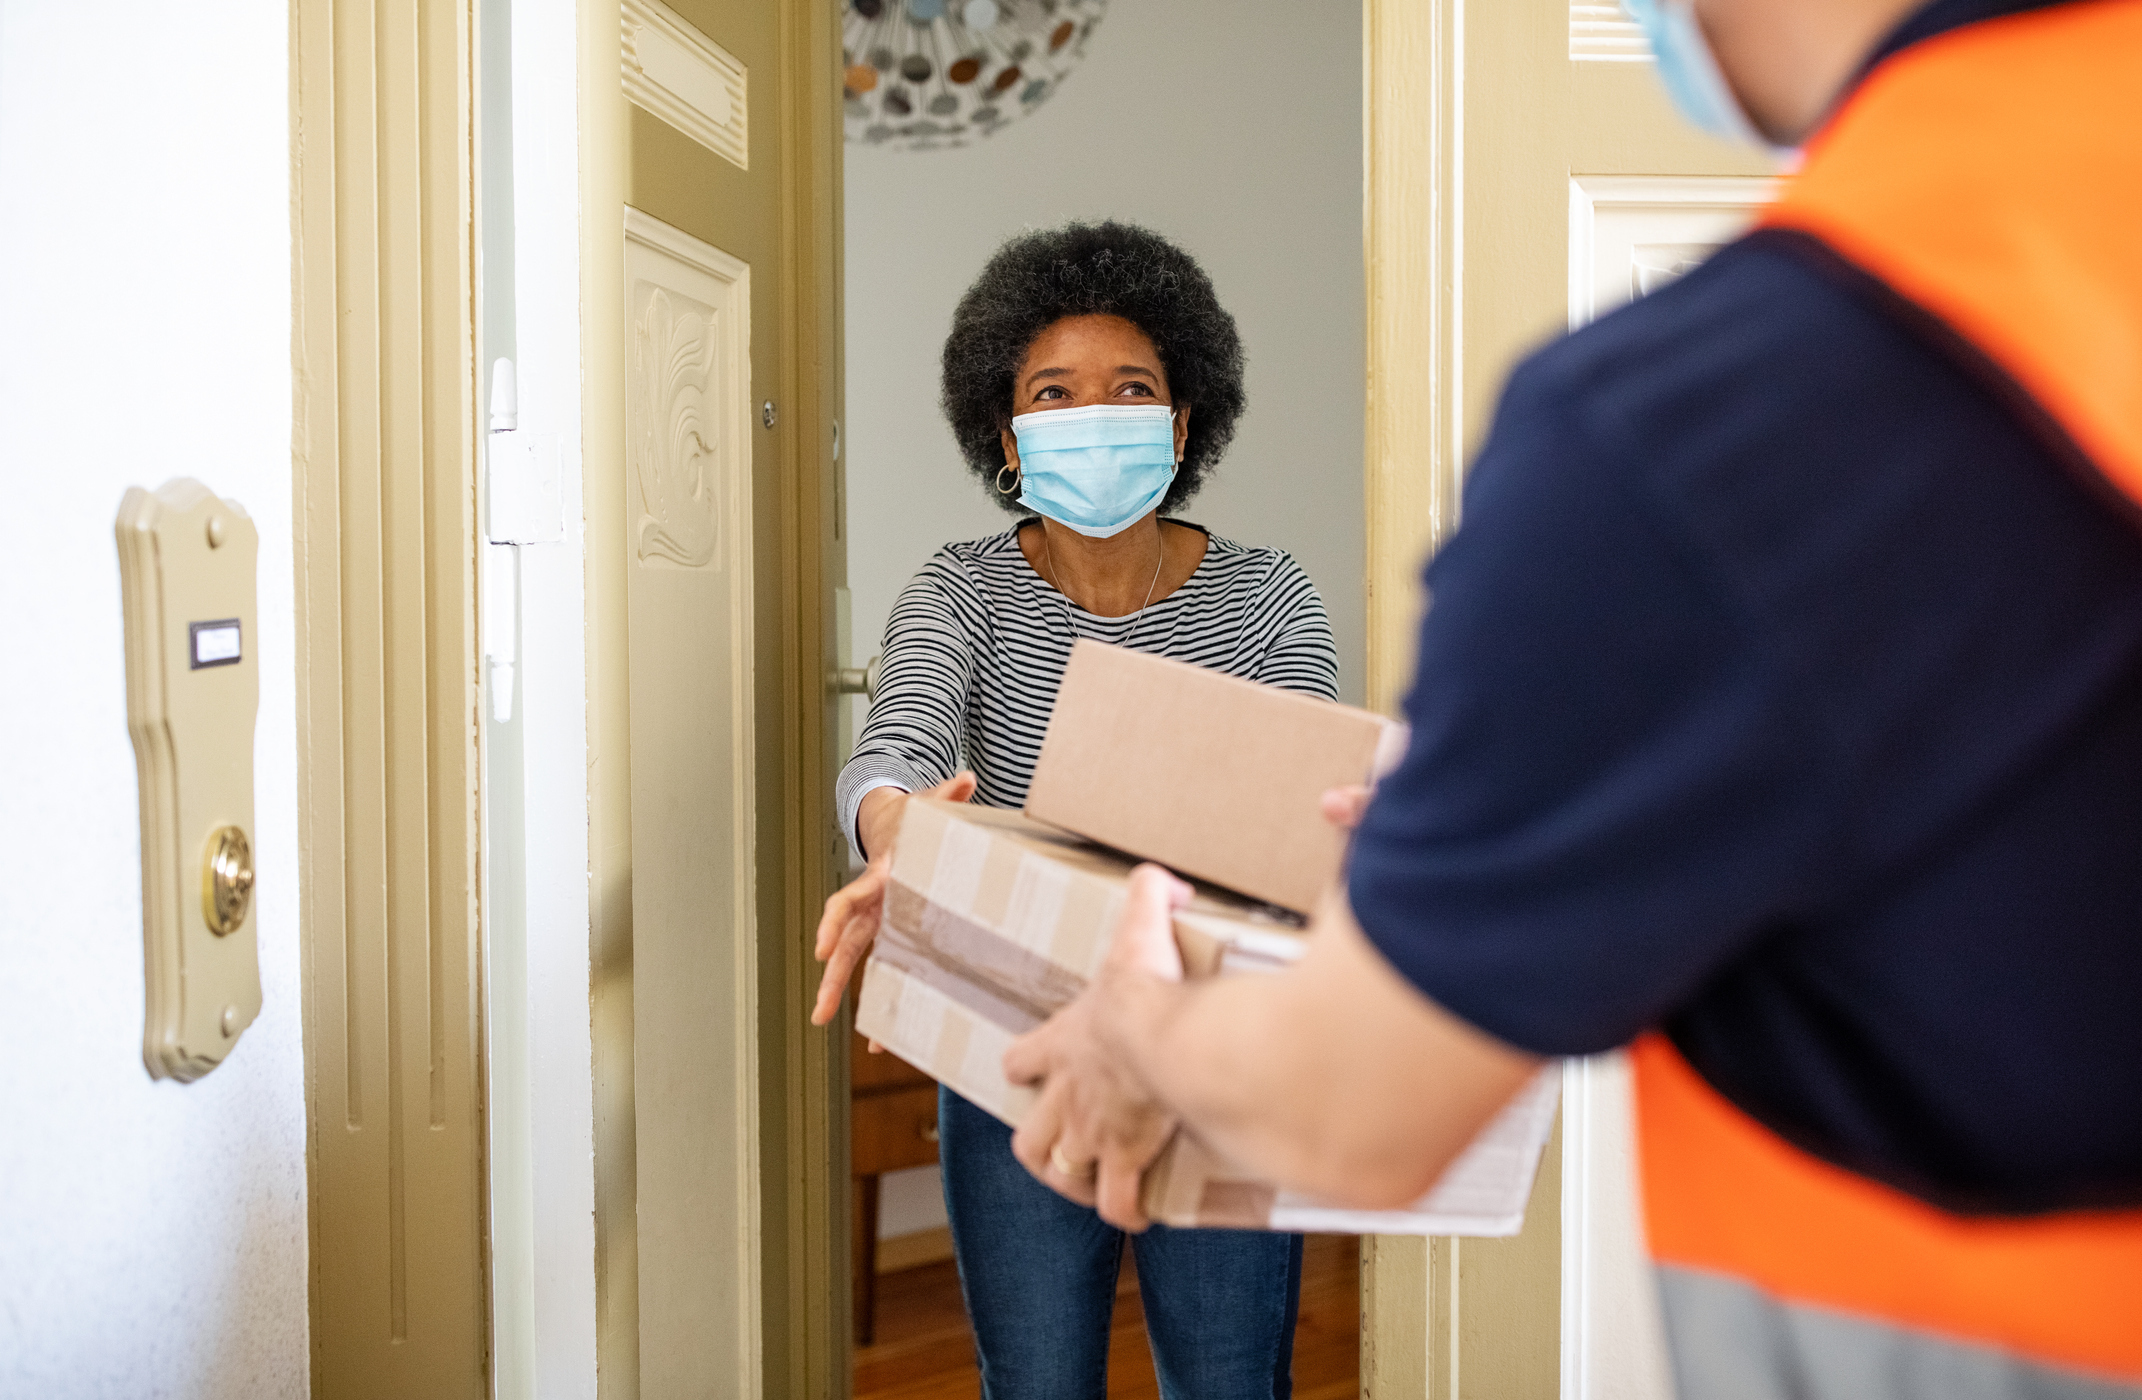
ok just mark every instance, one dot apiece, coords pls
pixel 1037 1132
pixel 1047 1153
pixel 1344 807
pixel 1027 1061
pixel 1115 1193
pixel 1145 934
pixel 1071 1172
pixel 957 788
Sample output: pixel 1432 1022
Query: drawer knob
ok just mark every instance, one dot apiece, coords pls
pixel 927 1130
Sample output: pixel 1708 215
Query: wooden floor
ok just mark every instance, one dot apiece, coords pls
pixel 924 1352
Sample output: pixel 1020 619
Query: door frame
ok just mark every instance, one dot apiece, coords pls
pixel 1441 1318
pixel 383 460
pixel 383 196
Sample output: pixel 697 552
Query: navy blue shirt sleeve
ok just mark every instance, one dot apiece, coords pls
pixel 1782 690
pixel 1605 797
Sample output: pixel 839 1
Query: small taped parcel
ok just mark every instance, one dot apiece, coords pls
pixel 994 919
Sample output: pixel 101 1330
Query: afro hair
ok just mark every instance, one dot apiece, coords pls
pixel 1105 269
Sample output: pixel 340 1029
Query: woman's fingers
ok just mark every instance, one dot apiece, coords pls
pixel 853 945
pixel 845 933
pixel 840 907
pixel 957 788
pixel 866 890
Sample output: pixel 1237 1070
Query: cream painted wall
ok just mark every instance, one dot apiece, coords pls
pixel 1231 126
pixel 152 1235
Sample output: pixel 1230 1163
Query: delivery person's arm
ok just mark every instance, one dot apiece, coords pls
pixel 1334 1106
pixel 1616 785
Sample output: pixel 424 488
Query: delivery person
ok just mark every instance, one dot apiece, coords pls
pixel 1779 714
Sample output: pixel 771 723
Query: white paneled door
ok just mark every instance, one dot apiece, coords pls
pixel 1629 235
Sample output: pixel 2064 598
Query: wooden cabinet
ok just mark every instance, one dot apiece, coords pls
pixel 892 1125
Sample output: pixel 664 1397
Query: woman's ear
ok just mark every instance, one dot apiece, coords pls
pixel 1011 446
pixel 1182 431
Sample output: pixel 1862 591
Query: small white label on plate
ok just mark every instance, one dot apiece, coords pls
pixel 215 643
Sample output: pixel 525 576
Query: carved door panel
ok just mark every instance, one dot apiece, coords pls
pixel 688 441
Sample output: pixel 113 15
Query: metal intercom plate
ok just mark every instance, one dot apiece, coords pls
pixel 186 572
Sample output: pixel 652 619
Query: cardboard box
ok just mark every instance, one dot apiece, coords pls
pixel 994 921
pixel 1483 1193
pixel 1218 778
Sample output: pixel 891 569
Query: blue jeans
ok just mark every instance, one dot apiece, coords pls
pixel 1039 1274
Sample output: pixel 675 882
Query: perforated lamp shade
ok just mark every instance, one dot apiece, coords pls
pixel 923 74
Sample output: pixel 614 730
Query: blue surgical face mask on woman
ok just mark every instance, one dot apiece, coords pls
pixel 1099 468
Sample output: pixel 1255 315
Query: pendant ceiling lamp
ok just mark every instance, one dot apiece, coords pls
pixel 930 73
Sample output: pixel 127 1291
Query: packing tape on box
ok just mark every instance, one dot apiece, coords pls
pixel 943 1037
pixel 1020 896
pixel 960 955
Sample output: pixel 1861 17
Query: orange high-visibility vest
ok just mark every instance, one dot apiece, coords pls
pixel 1986 184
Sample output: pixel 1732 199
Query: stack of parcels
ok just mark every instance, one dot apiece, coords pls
pixel 995 920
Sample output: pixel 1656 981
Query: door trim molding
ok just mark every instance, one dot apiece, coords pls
pixel 383 456
pixel 685 78
pixel 1413 230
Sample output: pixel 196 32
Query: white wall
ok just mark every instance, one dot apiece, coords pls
pixel 152 1235
pixel 1230 126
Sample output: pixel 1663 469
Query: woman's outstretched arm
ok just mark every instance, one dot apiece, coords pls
pixel 911 739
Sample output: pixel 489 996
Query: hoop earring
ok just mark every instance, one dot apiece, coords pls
pixel 1002 489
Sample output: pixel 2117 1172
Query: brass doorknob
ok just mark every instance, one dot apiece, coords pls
pixel 227 879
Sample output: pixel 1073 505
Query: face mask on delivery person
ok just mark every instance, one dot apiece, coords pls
pixel 1097 469
pixel 1691 73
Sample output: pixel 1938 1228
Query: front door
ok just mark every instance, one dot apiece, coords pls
pixel 712 564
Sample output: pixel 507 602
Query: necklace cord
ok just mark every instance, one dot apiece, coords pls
pixel 1048 556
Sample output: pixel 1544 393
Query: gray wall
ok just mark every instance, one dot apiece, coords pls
pixel 1232 127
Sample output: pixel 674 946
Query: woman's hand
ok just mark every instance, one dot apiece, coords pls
pixel 850 923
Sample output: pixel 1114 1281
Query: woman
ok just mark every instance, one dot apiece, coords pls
pixel 1092 381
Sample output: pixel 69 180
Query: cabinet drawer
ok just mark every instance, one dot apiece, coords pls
pixel 868 1072
pixel 891 1131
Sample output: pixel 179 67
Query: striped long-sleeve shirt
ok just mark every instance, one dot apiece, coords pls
pixel 977 644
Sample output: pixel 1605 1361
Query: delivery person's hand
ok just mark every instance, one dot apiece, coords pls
pixel 1344 807
pixel 850 922
pixel 1096 1126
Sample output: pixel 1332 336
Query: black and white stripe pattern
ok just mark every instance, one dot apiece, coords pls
pixel 977 644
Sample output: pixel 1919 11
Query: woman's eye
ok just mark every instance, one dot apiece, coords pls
pixel 1051 391
pixel 1136 389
